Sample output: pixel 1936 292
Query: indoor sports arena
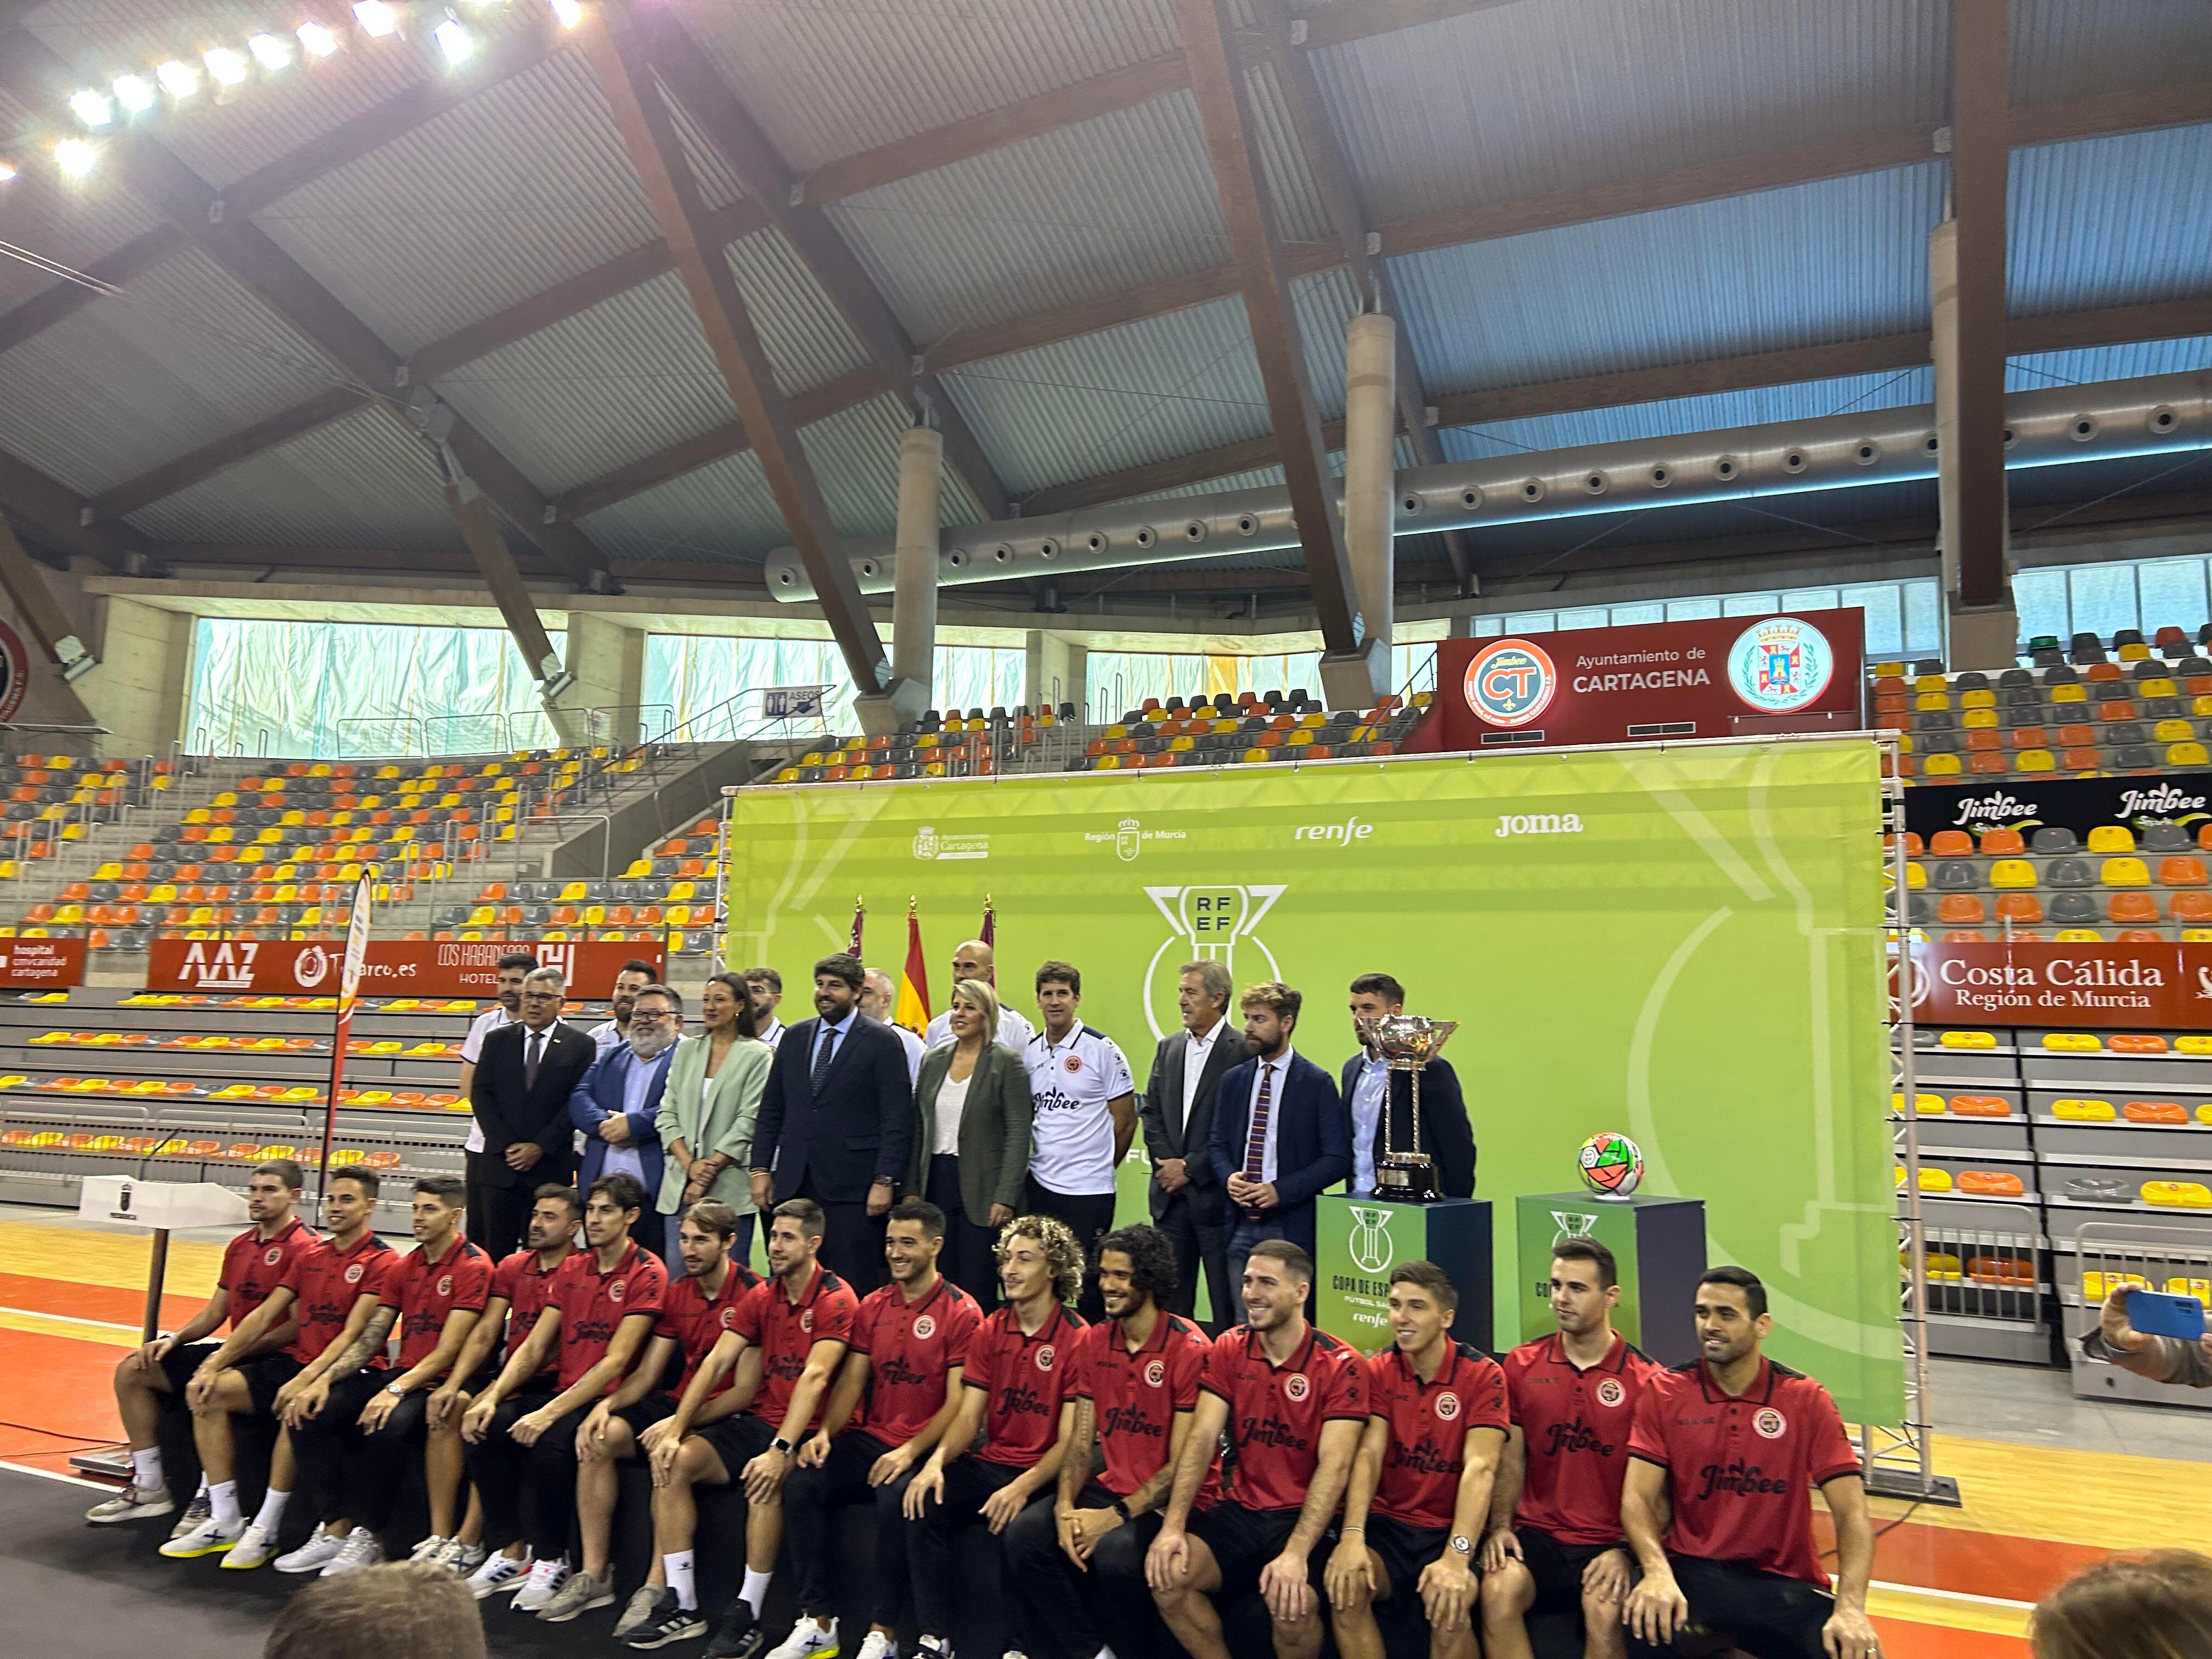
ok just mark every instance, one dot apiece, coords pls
pixel 1106 828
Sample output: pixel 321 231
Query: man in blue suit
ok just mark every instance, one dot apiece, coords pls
pixel 1281 1136
pixel 615 1104
pixel 837 1123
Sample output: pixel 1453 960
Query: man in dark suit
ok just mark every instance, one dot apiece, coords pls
pixel 520 1092
pixel 616 1104
pixel 1280 1133
pixel 1368 1085
pixel 837 1123
pixel 1177 1115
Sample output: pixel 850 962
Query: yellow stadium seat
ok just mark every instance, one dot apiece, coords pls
pixel 682 889
pixel 1941 766
pixel 2077 936
pixel 1929 702
pixel 678 915
pixel 1890 669
pixel 2012 873
pixel 2035 760
pixel 1979 700
pixel 2069 694
pixel 1978 719
pixel 2111 838
pixel 2173 731
pixel 573 893
pixel 2188 754
pixel 2159 687
pixel 2137 652
pixel 1931 682
pixel 483 916
pixel 2199 705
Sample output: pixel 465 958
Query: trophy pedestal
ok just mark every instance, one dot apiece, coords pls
pixel 1660 1244
pixel 1361 1239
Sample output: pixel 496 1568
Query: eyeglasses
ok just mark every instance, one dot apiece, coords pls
pixel 648 1015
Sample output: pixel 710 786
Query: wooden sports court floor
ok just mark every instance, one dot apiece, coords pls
pixel 2051 1484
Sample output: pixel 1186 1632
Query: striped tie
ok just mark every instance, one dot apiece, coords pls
pixel 1255 1144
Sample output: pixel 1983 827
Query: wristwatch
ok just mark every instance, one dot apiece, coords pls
pixel 396 1389
pixel 1120 1507
pixel 780 1444
pixel 1463 1544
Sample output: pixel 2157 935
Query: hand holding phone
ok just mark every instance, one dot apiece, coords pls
pixel 2151 1313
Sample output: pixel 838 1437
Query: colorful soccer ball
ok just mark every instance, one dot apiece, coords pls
pixel 1611 1164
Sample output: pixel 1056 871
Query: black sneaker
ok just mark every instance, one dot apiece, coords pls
pixel 738 1636
pixel 669 1623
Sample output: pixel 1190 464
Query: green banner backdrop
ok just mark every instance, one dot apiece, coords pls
pixel 1681 944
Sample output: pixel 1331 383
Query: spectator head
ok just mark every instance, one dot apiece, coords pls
pixel 974 1010
pixel 399 1610
pixel 2150 1604
pixel 973 959
pixel 656 1020
pixel 543 991
pixel 510 969
pixel 764 989
pixel 837 985
pixel 733 1000
pixel 1202 991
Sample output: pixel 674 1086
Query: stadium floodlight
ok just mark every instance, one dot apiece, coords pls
pixel 454 39
pixel 75 157
pixel 316 40
pixel 376 18
pixel 94 109
pixel 134 92
pixel 272 51
pixel 227 67
pixel 569 13
pixel 7 171
pixel 178 78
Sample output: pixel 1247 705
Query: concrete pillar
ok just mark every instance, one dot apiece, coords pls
pixel 914 603
pixel 608 663
pixel 1370 476
pixel 1048 677
pixel 138 691
pixel 1943 348
pixel 1983 637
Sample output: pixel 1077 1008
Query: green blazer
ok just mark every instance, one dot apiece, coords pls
pixel 994 1128
pixel 722 1122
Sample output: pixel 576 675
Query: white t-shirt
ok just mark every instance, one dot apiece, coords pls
pixel 773 1036
pixel 912 1044
pixel 951 1102
pixel 607 1035
pixel 1072 1132
pixel 1014 1031
pixel 472 1048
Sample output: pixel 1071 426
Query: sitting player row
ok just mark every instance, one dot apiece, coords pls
pixel 1426 1482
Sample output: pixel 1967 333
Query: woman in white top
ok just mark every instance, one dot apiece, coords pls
pixel 972 1149
pixel 706 1111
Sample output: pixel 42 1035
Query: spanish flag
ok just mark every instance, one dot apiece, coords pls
pixel 913 1010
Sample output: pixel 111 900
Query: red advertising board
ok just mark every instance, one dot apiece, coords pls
pixel 444 967
pixel 2152 984
pixel 28 964
pixel 1680 679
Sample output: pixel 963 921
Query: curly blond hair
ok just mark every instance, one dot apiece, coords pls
pixel 1062 1252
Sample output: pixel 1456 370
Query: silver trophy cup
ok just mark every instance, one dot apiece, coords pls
pixel 1407 1043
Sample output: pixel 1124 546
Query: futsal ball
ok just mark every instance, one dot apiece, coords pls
pixel 1611 1164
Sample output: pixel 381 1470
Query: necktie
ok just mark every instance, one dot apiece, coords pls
pixel 1255 1144
pixel 822 1058
pixel 534 1051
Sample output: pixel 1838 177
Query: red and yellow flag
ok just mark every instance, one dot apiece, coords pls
pixel 913 1010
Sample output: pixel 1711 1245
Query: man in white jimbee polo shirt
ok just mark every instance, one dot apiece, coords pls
pixel 1086 1116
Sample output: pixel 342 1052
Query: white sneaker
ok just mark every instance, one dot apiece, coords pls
pixel 876 1645
pixel 498 1575
pixel 197 1511
pixel 320 1549
pixel 806 1639
pixel 934 1647
pixel 211 1537
pixel 429 1549
pixel 462 1558
pixel 254 1547
pixel 546 1578
pixel 130 1504
pixel 362 1548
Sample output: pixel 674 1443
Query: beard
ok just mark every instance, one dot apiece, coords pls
pixel 648 1045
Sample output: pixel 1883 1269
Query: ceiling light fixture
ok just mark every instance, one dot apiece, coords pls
pixel 134 92
pixel 75 157
pixel 178 78
pixel 376 18
pixel 316 40
pixel 94 109
pixel 227 67
pixel 569 13
pixel 454 39
pixel 272 51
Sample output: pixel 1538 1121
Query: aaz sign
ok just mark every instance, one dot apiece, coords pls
pixel 443 968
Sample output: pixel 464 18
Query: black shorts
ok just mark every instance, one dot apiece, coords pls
pixel 736 1439
pixel 653 1408
pixel 1762 1613
pixel 1557 1568
pixel 1244 1540
pixel 183 1362
pixel 264 1376
pixel 1405 1550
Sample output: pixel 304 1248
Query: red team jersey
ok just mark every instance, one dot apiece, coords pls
pixel 1741 1470
pixel 527 1288
pixel 328 1281
pixel 786 1332
pixel 426 1292
pixel 593 1305
pixel 1025 1378
pixel 1276 1413
pixel 1429 1423
pixel 1576 1425
pixel 1134 1398
pixel 694 1322
pixel 910 1347
pixel 253 1266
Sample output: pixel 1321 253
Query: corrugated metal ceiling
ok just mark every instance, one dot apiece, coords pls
pixel 2112 222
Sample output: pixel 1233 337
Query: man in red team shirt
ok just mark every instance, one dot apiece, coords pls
pixel 698 1308
pixel 353 1453
pixel 520 1286
pixel 909 1343
pixel 1010 1389
pixel 330 1291
pixel 798 1321
pixel 1734 1445
pixel 605 1300
pixel 1294 1401
pixel 1420 1484
pixel 1555 1543
pixel 253 1263
pixel 1132 1391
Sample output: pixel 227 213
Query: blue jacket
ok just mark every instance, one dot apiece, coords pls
pixel 858 1130
pixel 1313 1140
pixel 599 1096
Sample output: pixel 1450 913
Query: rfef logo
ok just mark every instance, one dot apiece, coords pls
pixel 1781 664
pixel 1510 683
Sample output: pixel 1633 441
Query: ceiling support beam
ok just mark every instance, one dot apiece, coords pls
pixel 49 628
pixel 1980 157
pixel 57 515
pixel 641 115
pixel 691 81
pixel 1225 108
pixel 157 483
pixel 1347 213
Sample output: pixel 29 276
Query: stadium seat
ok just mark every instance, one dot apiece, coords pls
pixel 2025 910
pixel 2012 873
pixel 2002 843
pixel 2188 754
pixel 1959 909
pixel 2182 870
pixel 2132 909
pixel 2190 907
pixel 2035 760
pixel 2111 838
pixel 2072 907
pixel 1941 766
pixel 2123 872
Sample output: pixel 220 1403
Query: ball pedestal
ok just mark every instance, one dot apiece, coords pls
pixel 1660 1244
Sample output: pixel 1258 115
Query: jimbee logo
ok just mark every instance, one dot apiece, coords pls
pixel 1206 923
pixel 1155 1373
pixel 1768 1424
pixel 1447 1407
pixel 924 1328
pixel 1780 665
pixel 1510 683
pixel 1610 1393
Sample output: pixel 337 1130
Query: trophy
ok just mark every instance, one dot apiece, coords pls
pixel 1407 1043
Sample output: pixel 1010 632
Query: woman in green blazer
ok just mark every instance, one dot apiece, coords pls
pixel 971 1147
pixel 706 1111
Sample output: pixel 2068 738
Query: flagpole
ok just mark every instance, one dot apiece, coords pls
pixel 356 954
